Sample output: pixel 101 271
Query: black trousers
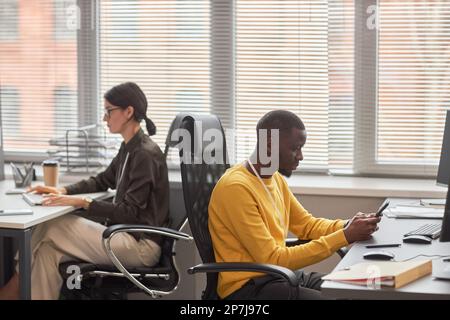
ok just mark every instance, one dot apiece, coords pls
pixel 274 288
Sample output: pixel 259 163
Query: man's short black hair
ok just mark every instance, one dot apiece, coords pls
pixel 280 119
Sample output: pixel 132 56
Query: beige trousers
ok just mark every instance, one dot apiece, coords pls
pixel 75 238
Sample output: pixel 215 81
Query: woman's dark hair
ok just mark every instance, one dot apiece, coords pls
pixel 129 94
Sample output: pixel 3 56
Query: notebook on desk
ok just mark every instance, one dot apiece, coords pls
pixel 411 212
pixel 386 273
pixel 33 199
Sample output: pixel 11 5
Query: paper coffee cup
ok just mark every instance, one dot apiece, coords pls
pixel 51 170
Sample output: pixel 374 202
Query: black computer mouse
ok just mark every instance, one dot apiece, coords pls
pixel 416 238
pixel 379 255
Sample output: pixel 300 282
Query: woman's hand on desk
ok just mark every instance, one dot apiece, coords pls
pixel 46 189
pixel 63 200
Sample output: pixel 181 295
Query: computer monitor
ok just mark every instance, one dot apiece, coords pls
pixel 445 229
pixel 443 179
pixel 443 175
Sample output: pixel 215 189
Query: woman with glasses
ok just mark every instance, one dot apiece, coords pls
pixel 138 173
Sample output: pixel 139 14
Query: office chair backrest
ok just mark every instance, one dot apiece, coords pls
pixel 199 177
pixel 177 218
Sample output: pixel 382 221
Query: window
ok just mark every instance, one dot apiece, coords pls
pixel 412 87
pixel 297 55
pixel 35 65
pixel 8 20
pixel 163 46
pixel 372 95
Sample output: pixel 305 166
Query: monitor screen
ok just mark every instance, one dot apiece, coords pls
pixel 445 230
pixel 443 178
pixel 443 175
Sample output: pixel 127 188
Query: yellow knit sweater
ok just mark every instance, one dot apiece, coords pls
pixel 245 227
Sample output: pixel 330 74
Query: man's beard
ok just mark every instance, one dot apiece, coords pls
pixel 285 172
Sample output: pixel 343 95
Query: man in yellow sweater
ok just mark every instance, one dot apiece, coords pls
pixel 252 209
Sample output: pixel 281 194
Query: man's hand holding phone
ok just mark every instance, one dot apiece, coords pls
pixel 362 225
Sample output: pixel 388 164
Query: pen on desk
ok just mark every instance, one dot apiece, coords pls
pixel 387 245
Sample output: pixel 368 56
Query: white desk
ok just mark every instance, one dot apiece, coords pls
pixel 20 226
pixel 391 231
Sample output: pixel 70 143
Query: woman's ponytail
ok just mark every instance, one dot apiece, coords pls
pixel 151 128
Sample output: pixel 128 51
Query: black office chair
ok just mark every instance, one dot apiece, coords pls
pixel 199 180
pixel 115 281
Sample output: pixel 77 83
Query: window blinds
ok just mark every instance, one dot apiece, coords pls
pixel 34 62
pixel 413 80
pixel 298 56
pixel 163 46
pixel 285 57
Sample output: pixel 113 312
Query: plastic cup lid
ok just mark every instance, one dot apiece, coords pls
pixel 50 163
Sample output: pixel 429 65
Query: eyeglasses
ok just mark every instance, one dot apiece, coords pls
pixel 107 111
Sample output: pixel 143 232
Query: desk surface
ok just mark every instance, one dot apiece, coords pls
pixel 40 213
pixel 391 231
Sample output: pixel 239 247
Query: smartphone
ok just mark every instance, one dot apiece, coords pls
pixel 380 211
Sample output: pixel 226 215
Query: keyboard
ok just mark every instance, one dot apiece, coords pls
pixel 33 199
pixel 431 230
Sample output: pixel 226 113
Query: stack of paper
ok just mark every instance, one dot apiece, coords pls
pixel 433 203
pixel 384 273
pixel 415 212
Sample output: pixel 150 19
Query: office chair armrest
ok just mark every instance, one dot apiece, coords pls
pixel 166 232
pixel 271 269
pixel 109 233
pixel 342 251
pixel 290 242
